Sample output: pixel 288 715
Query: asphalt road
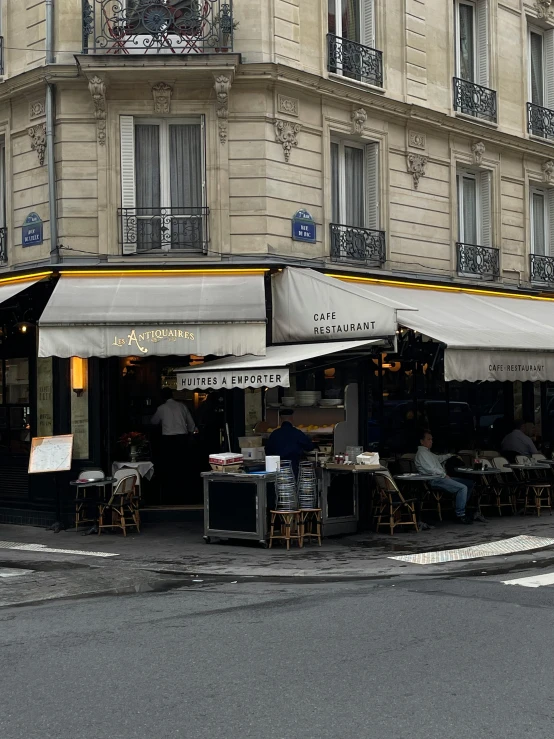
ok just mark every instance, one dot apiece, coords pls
pixel 444 658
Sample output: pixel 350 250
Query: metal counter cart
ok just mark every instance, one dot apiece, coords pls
pixel 236 505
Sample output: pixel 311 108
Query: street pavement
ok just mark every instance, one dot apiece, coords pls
pixel 450 655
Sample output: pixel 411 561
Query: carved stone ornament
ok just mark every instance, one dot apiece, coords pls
pixel 544 9
pixel 97 89
pixel 222 88
pixel 162 98
pixel 416 167
pixel 37 135
pixel 417 140
pixel 36 109
pixel 478 150
pixel 288 106
pixel 358 118
pixel 286 134
pixel 548 170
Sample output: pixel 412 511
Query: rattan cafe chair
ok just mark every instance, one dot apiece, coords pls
pixel 390 508
pixel 120 510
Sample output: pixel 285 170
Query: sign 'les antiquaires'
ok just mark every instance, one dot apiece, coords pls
pixel 137 340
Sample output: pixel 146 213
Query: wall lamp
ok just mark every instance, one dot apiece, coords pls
pixel 78 375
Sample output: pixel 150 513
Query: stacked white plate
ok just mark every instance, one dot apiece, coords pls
pixel 307 398
pixel 330 402
pixel 288 401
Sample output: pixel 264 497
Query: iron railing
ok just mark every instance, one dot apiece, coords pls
pixel 542 268
pixel 354 60
pixel 475 100
pixel 357 245
pixel 481 261
pixel 540 121
pixel 1 55
pixel 157 26
pixel 3 245
pixel 166 229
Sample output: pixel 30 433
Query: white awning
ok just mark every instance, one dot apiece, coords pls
pixel 488 337
pixel 309 306
pixel 174 314
pixel 269 371
pixel 10 289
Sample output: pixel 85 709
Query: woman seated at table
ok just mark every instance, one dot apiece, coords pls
pixel 428 463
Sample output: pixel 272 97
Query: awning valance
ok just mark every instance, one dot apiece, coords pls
pixel 269 371
pixel 488 337
pixel 174 314
pixel 309 306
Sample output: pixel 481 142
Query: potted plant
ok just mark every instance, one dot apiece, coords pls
pixel 133 442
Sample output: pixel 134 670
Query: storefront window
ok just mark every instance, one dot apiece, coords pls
pixel 17 380
pixel 15 413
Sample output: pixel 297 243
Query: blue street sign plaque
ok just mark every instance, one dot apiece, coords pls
pixel 32 231
pixel 303 227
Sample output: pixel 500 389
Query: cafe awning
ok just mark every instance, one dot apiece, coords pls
pixel 13 286
pixel 119 315
pixel 269 371
pixel 487 336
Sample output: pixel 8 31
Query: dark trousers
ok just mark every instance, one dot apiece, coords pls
pixel 174 458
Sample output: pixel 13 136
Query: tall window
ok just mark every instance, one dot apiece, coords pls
pixel 163 184
pixel 3 232
pixel 474 208
pixel 14 405
pixel 541 67
pixel 542 221
pixel 354 183
pixel 352 20
pixel 472 41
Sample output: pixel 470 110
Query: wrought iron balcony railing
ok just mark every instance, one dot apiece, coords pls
pixel 164 229
pixel 354 60
pixel 3 245
pixel 1 55
pixel 542 269
pixel 157 26
pixel 540 121
pixel 479 261
pixel 475 100
pixel 357 245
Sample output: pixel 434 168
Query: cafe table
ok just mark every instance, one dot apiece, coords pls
pixel 82 502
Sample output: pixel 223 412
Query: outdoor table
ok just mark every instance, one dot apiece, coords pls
pixel 102 483
pixel 541 466
pixel 145 469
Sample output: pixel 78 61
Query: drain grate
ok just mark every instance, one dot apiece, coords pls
pixel 492 549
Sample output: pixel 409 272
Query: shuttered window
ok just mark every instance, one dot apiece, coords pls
pixel 355 184
pixel 162 184
pixel 541 67
pixel 353 20
pixel 474 208
pixel 541 209
pixel 472 41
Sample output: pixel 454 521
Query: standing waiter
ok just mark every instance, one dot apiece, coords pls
pixel 177 424
pixel 288 442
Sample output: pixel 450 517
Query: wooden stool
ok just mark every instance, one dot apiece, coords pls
pixel 289 527
pixel 310 524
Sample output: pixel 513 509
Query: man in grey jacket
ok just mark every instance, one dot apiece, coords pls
pixel 428 463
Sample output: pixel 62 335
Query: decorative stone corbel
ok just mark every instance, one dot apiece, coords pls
pixel 478 150
pixel 97 89
pixel 162 98
pixel 358 118
pixel 416 167
pixel 544 10
pixel 548 170
pixel 286 134
pixel 222 89
pixel 37 135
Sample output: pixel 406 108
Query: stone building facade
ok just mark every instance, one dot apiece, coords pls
pixel 417 133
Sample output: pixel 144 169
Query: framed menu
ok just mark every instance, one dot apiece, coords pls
pixel 51 454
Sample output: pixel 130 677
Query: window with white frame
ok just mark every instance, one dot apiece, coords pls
pixel 474 208
pixel 541 67
pixel 163 188
pixel 472 40
pixel 541 210
pixel 355 184
pixel 353 20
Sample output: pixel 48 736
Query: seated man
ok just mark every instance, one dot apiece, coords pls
pixel 518 442
pixel 428 463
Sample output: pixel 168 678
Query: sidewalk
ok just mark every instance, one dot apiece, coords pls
pixel 179 548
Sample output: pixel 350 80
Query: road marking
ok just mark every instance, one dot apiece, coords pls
pixel 9 572
pixel 492 549
pixel 43 549
pixel 534 581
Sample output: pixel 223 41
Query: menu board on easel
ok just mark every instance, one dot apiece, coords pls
pixel 51 454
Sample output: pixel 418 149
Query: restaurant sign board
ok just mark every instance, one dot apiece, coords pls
pixel 227 379
pixel 478 365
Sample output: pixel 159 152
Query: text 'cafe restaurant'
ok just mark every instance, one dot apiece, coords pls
pixel 109 341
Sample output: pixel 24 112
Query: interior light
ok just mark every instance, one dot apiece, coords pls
pixel 78 375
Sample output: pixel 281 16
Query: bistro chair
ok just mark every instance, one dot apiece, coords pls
pixel 120 509
pixel 86 498
pixel 490 455
pixel 390 508
pixel 128 472
pixel 407 463
pixel 512 484
pixel 467 455
pixel 492 492
pixel 537 488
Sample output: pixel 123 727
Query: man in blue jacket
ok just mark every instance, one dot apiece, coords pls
pixel 288 442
